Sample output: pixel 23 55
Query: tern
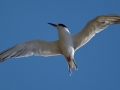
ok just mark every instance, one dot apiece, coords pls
pixel 67 43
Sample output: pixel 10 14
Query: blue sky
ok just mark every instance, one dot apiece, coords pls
pixel 98 61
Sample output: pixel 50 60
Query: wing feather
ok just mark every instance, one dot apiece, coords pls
pixel 94 26
pixel 35 47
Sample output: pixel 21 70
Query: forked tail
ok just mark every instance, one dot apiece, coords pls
pixel 72 64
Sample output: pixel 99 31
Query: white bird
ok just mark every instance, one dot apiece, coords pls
pixel 67 43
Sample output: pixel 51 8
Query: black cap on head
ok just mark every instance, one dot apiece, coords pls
pixel 62 25
pixel 57 24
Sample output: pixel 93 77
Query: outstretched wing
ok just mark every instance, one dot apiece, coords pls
pixel 94 26
pixel 35 47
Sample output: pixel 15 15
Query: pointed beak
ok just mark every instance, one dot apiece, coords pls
pixel 53 24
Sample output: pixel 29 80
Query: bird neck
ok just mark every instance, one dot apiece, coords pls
pixel 64 33
pixel 63 30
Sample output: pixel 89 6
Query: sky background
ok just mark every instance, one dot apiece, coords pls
pixel 98 61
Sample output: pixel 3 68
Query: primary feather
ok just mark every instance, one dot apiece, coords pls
pixel 35 47
pixel 94 26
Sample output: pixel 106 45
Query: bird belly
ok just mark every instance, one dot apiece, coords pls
pixel 67 48
pixel 66 43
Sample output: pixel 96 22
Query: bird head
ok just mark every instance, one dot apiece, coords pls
pixel 58 26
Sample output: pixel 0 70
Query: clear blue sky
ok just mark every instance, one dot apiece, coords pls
pixel 98 61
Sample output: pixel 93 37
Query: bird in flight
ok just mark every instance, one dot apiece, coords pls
pixel 67 43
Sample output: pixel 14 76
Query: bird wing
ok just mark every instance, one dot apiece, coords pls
pixel 35 47
pixel 94 26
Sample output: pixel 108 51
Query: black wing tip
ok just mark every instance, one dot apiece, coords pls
pixel 3 59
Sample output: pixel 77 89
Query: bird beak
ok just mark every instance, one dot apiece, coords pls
pixel 52 24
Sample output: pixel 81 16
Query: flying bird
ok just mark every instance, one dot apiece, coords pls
pixel 67 43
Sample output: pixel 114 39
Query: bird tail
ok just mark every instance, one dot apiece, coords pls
pixel 72 64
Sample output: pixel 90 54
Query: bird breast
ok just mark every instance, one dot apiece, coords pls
pixel 66 42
